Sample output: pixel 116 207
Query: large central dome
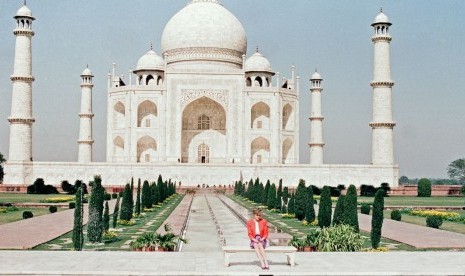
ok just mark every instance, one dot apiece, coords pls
pixel 206 30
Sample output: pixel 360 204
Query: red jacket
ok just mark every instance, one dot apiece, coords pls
pixel 262 225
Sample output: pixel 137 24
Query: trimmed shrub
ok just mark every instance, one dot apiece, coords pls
pixel 365 209
pixel 350 216
pixel 396 215
pixel 434 221
pixel 138 198
pixel 146 197
pixel 271 201
pixel 335 192
pixel 385 187
pixel 94 226
pixel 27 214
pixel 106 218
pixel 78 234
pixel 424 188
pixel 116 212
pixel 339 211
pixel 72 205
pixel 126 208
pixel 377 218
pixel 340 238
pixel 68 188
pixel 316 190
pixel 107 196
pixel 309 208
pixel 300 200
pixel 324 212
pixel 291 204
pixel 52 209
pixel 266 193
pixel 114 195
pixel 367 190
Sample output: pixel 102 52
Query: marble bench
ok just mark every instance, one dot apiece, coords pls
pixel 289 251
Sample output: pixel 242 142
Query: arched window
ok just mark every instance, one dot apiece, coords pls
pixel 287 111
pixel 248 82
pixel 258 81
pixel 203 154
pixel 150 80
pixel 147 110
pixel 119 115
pixel 260 116
pixel 203 122
pixel 146 149
pixel 259 151
pixel 159 81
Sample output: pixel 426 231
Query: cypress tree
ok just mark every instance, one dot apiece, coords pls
pixel 132 196
pixel 300 200
pixel 284 205
pixel 324 212
pixel 249 189
pixel 155 194
pixel 146 200
pixel 377 218
pixel 106 218
pixel 95 224
pixel 350 216
pixel 271 197
pixel 116 212
pixel 279 195
pixel 339 211
pixel 265 194
pixel 256 191
pixel 161 194
pixel 291 204
pixel 78 235
pixel 126 204
pixel 261 194
pixel 138 198
pixel 310 208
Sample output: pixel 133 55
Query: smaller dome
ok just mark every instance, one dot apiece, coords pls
pixel 151 61
pixel 381 18
pixel 257 62
pixel 316 76
pixel 24 11
pixel 87 72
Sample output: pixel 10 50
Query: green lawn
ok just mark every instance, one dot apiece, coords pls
pixel 295 228
pixel 417 201
pixel 125 233
pixel 18 198
pixel 18 215
pixel 458 227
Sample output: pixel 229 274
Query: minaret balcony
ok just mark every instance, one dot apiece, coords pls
pixel 316 144
pixel 388 84
pixel 22 78
pixel 390 125
pixel 379 38
pixel 28 121
pixel 316 118
pixel 86 115
pixel 24 32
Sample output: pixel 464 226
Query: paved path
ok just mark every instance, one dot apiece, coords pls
pixel 28 233
pixel 415 235
pixel 211 263
pixel 178 217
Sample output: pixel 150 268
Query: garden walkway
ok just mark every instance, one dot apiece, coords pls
pixel 415 235
pixel 28 233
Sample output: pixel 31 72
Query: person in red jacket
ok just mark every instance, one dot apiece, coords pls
pixel 257 229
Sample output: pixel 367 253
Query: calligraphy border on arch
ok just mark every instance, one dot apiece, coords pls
pixel 219 95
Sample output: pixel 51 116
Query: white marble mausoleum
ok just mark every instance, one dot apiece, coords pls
pixel 202 111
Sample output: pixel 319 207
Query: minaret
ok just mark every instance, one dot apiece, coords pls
pixel 382 124
pixel 85 118
pixel 21 119
pixel 316 121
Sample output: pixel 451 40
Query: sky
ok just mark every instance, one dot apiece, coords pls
pixel 427 64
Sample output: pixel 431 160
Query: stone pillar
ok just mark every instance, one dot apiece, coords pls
pixel 316 122
pixel 21 119
pixel 382 124
pixel 85 118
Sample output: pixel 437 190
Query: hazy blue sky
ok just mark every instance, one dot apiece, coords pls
pixel 428 66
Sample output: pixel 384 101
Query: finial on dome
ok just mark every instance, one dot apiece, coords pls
pixel 256 49
pixel 381 9
pixel 151 46
pixel 25 2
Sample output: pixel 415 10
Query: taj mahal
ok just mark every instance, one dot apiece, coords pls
pixel 203 111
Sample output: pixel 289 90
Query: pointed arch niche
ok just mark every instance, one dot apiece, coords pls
pixel 146 150
pixel 287 155
pixel 203 121
pixel 288 117
pixel 260 116
pixel 119 113
pixel 260 151
pixel 146 114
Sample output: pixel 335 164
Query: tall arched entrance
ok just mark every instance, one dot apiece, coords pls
pixel 204 132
